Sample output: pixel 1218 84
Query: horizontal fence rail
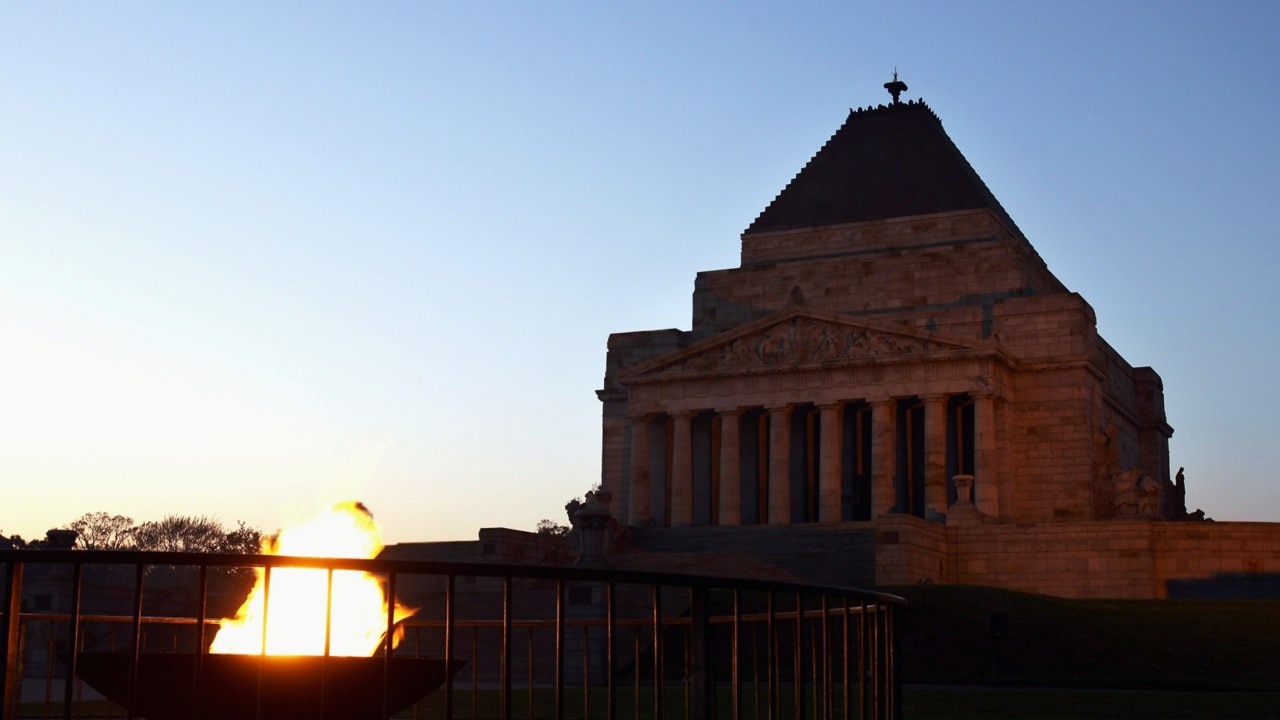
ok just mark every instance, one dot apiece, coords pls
pixel 123 634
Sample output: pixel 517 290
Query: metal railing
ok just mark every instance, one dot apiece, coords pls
pixel 506 642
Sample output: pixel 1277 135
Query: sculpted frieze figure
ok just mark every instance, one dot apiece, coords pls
pixel 803 339
pixel 1136 494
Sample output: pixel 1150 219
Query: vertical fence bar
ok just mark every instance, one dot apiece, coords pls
pixel 755 667
pixel 266 618
pixel 611 622
pixel 864 660
pixel 73 639
pixel 891 665
pixel 328 636
pixel 388 642
pixel 635 667
pixel 702 650
pixel 197 667
pixel 659 702
pixel 735 652
pixel 504 690
pixel 475 672
pixel 448 647
pixel 136 651
pixel 771 662
pixel 686 659
pixel 823 656
pixel 586 671
pixel 529 675
pixel 798 659
pixel 10 647
pixel 559 649
pixel 845 655
pixel 877 695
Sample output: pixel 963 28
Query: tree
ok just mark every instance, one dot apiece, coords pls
pixel 103 531
pixel 173 533
pixel 551 527
pixel 182 533
pixel 244 540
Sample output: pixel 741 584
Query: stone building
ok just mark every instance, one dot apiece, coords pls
pixel 890 343
pixel 893 359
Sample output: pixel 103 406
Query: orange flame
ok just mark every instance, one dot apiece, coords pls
pixel 296 610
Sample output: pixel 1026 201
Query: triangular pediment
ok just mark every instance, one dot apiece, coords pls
pixel 795 339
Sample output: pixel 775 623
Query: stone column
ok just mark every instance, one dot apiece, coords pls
pixel 935 454
pixel 682 469
pixel 986 491
pixel 829 456
pixel 884 436
pixel 638 513
pixel 779 465
pixel 730 467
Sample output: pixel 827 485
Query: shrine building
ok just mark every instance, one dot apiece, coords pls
pixel 892 360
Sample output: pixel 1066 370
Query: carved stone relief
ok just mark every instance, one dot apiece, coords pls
pixel 802 340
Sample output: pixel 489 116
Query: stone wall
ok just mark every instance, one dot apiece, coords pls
pixel 924 265
pixel 1130 559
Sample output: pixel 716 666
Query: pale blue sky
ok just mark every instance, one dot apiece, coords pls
pixel 253 255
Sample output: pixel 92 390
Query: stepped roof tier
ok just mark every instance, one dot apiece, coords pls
pixel 885 162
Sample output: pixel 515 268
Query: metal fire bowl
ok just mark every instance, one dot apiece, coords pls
pixel 265 687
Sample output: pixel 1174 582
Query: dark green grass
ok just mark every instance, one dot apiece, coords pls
pixel 1051 642
pixel 933 703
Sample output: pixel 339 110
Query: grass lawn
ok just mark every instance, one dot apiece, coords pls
pixel 1187 645
pixel 932 703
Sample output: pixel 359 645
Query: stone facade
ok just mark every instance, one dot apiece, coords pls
pixel 892 353
pixel 849 370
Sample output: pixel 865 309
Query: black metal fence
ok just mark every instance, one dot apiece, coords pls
pixel 90 634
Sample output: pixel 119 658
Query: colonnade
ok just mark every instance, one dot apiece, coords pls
pixel 810 462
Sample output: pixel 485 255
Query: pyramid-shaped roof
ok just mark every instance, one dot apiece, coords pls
pixel 887 162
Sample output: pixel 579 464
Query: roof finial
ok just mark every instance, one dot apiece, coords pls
pixel 896 87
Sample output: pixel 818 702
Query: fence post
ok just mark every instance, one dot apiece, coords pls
pixel 703 671
pixel 10 646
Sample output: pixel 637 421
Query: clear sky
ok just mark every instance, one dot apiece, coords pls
pixel 256 255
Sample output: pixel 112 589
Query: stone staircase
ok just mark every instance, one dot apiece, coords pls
pixel 841 556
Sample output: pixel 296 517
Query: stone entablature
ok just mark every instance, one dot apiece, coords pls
pixel 877 236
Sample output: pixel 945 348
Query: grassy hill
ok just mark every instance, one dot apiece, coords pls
pixel 947 639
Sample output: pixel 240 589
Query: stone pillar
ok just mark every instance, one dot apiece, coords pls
pixel 935 455
pixel 829 457
pixel 682 469
pixel 779 465
pixel 638 513
pixel 730 467
pixel 986 491
pixel 884 421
